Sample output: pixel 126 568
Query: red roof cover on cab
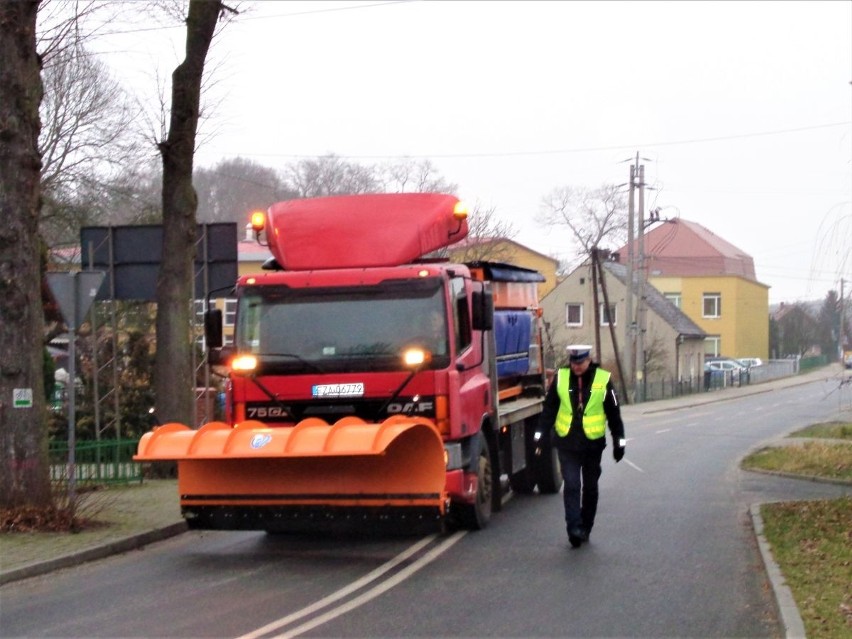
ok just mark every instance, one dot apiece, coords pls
pixel 358 231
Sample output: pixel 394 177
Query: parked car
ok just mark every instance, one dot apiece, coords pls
pixel 725 365
pixel 750 362
pixel 847 361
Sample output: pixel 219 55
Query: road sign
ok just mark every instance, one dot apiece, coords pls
pixel 74 293
pixel 22 397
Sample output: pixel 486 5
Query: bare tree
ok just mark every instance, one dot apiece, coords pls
pixel 330 175
pixel 592 215
pixel 24 478
pixel 173 367
pixel 62 24
pixel 411 176
pixel 133 196
pixel 488 238
pixel 230 190
pixel 89 133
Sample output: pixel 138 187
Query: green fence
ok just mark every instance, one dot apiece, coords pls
pixel 107 461
pixel 810 363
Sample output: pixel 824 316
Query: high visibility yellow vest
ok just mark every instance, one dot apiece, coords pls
pixel 594 418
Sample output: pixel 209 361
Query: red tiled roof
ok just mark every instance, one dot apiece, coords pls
pixel 683 248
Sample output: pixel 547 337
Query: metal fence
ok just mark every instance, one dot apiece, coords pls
pixel 656 388
pixel 106 461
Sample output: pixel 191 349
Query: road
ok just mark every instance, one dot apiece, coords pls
pixel 672 554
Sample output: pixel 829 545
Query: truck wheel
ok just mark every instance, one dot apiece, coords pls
pixel 547 473
pixel 476 516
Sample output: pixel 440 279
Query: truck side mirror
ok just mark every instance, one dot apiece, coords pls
pixel 483 310
pixel 213 328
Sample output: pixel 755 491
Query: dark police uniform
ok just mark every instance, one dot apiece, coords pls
pixel 591 406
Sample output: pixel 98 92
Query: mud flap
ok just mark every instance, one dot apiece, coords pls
pixel 252 476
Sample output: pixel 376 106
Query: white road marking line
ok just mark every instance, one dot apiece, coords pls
pixel 665 430
pixel 376 590
pixel 343 592
pixel 632 465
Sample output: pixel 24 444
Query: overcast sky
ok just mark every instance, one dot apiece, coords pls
pixel 741 111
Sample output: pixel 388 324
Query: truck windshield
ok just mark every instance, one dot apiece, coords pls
pixel 350 328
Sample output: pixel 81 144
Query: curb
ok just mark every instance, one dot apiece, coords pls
pixel 814 478
pixel 794 627
pixel 132 542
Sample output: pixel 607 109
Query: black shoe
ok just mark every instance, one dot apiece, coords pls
pixel 580 533
pixel 577 535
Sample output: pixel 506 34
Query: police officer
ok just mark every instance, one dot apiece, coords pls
pixel 579 404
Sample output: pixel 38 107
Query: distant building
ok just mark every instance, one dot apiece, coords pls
pixel 505 250
pixel 713 282
pixel 674 344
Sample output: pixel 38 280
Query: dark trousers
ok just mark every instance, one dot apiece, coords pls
pixel 580 471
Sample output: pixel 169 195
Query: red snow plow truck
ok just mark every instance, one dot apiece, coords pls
pixel 368 386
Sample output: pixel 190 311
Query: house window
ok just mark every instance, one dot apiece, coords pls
pixel 230 311
pixel 573 314
pixel 674 298
pixel 198 307
pixel 712 305
pixel 712 345
pixel 608 317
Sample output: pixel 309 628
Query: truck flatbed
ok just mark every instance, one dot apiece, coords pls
pixel 515 410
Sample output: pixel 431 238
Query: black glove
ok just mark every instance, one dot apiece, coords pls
pixel 618 453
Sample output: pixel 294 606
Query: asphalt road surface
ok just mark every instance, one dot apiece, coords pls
pixel 672 554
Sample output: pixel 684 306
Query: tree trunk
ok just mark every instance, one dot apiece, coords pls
pixel 174 374
pixel 24 478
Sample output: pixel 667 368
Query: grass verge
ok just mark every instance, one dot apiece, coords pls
pixel 810 459
pixel 812 543
pixel 812 540
pixel 828 430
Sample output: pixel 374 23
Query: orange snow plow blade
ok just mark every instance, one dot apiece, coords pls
pixel 309 476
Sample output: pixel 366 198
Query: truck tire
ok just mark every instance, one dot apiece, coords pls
pixel 476 516
pixel 547 473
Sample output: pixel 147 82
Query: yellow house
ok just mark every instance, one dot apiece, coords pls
pixel 509 251
pixel 713 283
pixel 732 310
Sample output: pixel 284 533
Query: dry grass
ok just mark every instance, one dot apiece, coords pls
pixel 812 542
pixel 62 515
pixel 828 430
pixel 810 459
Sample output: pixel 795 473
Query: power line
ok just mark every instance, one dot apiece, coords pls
pixel 557 151
pixel 249 17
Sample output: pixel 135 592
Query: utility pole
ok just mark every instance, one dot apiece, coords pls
pixel 640 292
pixel 629 343
pixel 841 334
